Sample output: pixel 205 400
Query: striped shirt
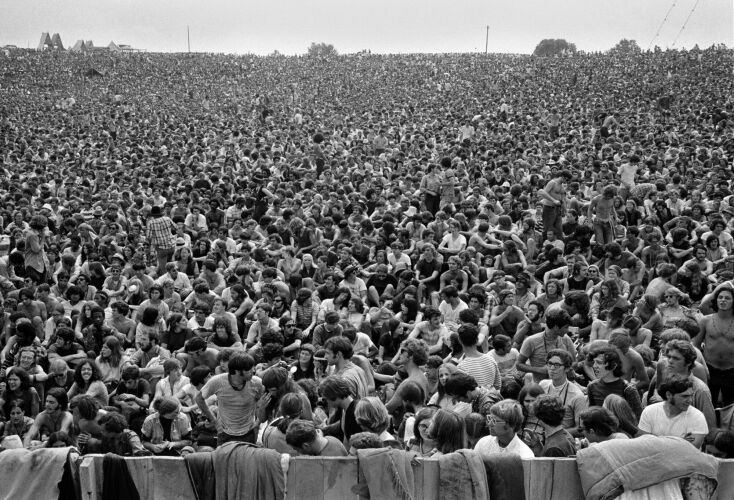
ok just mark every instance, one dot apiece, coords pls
pixel 484 369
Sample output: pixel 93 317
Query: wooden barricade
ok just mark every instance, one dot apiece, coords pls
pixel 315 478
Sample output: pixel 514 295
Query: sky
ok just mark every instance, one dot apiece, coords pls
pixel 382 26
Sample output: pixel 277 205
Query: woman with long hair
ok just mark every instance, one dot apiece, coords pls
pixel 443 400
pixel 355 313
pixel 18 388
pixel 224 337
pixel 553 292
pixel 304 311
pixel 621 409
pixel 177 332
pixel 532 432
pixel 185 262
pixel 372 416
pixel 447 431
pixel 304 367
pixel 420 442
pixel 87 381
pixel 111 361
pixel 607 297
pixel 338 303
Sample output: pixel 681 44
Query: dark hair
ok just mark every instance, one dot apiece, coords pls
pixel 611 359
pixel 291 408
pixel 60 396
pixel 417 349
pixel 566 358
pixel 557 318
pixel 685 349
pixel 674 385
pixel 715 298
pixel 199 374
pixel 240 362
pixel 334 387
pixel 460 383
pixel 88 406
pixel 600 420
pixel 468 335
pixel 300 432
pixel 549 410
pixel 449 432
pixel 78 373
pixel 113 422
pixel 340 345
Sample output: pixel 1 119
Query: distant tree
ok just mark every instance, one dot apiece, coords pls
pixel 625 46
pixel 554 47
pixel 322 50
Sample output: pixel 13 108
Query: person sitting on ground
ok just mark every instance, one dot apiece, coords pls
pixel 167 431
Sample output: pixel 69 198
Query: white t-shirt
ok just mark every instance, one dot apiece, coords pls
pixel 489 444
pixel 451 314
pixel 655 421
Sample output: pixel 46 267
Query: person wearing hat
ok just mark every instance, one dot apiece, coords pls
pixel 96 221
pixel 167 431
pixel 159 232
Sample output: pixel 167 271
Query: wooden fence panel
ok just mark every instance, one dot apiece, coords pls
pixel 314 478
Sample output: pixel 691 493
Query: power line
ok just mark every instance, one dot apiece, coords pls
pixel 661 25
pixel 686 22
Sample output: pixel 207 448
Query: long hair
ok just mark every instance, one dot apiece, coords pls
pixel 623 411
pixel 113 343
pixel 440 388
pixel 78 373
pixel 448 431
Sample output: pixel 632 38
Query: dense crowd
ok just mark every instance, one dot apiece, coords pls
pixel 425 252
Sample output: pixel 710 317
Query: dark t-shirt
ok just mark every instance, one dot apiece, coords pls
pixel 175 341
pixel 381 283
pixel 426 269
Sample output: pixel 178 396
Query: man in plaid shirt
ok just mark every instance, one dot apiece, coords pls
pixel 160 232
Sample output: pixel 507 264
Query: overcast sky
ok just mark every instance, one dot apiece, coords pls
pixel 383 26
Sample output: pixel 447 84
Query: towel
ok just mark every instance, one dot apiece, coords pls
pixel 462 475
pixel 247 471
pixel 117 483
pixel 200 467
pixel 45 466
pixel 388 473
pixel 505 476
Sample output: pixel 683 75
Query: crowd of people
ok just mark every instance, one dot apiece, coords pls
pixel 319 255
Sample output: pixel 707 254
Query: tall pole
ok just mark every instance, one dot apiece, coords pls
pixel 188 37
pixel 486 42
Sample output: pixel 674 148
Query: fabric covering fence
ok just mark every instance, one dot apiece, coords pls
pixel 165 478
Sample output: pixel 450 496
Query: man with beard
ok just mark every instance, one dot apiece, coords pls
pixel 532 324
pixel 150 356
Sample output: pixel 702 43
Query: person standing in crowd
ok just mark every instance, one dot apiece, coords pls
pixel 238 395
pixel 160 232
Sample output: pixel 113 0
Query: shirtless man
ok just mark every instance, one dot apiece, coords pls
pixel 717 336
pixel 553 199
pixel 603 206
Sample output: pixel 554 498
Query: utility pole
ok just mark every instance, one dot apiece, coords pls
pixel 486 42
pixel 188 38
